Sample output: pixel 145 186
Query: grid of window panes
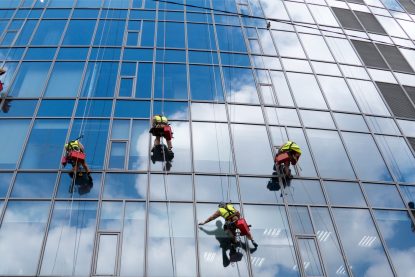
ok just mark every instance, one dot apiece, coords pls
pixel 336 77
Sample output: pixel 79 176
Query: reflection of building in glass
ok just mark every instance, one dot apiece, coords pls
pixel 338 78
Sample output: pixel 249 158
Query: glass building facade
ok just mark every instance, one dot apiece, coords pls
pixel 235 78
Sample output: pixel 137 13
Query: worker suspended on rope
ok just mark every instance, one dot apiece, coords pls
pixel 288 154
pixel 233 221
pixel 161 128
pixel 75 155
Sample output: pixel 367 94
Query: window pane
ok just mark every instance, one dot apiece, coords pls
pixel 384 196
pixel 34 185
pixel 383 125
pixel 344 193
pixel 212 148
pixel 129 108
pixel 143 83
pixel 350 122
pixel 369 163
pixel 100 79
pixel 30 79
pixel 13 108
pixel 310 258
pixel 215 188
pixel 240 85
pixel 260 190
pixel 172 110
pixel 170 34
pixel 368 97
pixel 316 48
pixel 49 32
pixel 5 179
pixel 317 119
pixel 72 229
pixel 21 236
pixel 175 238
pixel 208 112
pixel 45 145
pixel 395 227
pixel 304 192
pixel 281 116
pixel 343 51
pixel 300 220
pixel 230 38
pixel 171 187
pixel 125 186
pixel 54 108
pixel 138 156
pixel 306 91
pixel 107 254
pixel 398 156
pixel 245 114
pixel 93 108
pixel 200 36
pixel 111 216
pixel 117 155
pixel 251 159
pixel 109 32
pixel 330 155
pixel 73 35
pixel 171 81
pixel 338 94
pixel 205 83
pixel 132 257
pixel 65 79
pixel 288 44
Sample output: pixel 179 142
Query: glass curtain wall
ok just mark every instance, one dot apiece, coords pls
pixel 236 79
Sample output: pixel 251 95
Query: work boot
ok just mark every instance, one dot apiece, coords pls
pixel 254 244
pixel 2 71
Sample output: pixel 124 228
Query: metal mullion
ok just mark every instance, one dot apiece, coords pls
pixel 195 229
pixel 120 242
pixel 149 169
pixel 48 223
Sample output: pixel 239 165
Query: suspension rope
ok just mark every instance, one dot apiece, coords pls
pixel 305 25
pixel 94 77
pixel 164 163
pixel 85 114
pixel 70 205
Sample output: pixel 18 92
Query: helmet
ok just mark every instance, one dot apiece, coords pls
pixel 222 204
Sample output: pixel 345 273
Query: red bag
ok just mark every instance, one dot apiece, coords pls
pixel 77 156
pixel 167 132
pixel 282 158
pixel 242 226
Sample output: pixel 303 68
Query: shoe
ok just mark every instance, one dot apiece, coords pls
pixel 89 177
pixel 2 71
pixel 254 244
